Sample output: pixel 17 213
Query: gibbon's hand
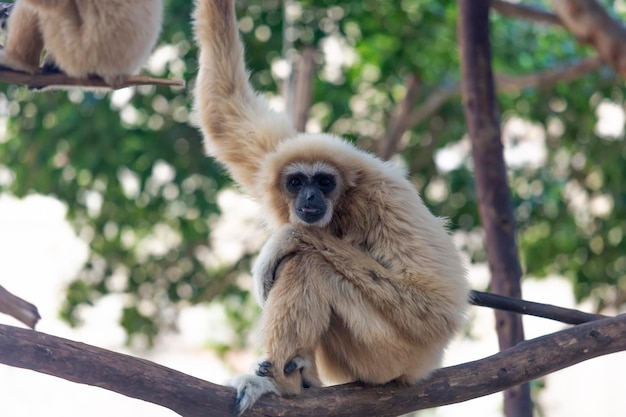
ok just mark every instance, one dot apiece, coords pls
pixel 281 244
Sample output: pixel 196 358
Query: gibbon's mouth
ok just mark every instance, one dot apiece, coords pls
pixel 310 210
pixel 310 215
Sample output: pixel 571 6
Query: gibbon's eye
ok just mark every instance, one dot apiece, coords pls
pixel 293 183
pixel 325 182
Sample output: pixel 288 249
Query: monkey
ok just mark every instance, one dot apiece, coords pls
pixel 110 39
pixel 358 280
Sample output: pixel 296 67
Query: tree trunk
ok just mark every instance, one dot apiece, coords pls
pixel 496 212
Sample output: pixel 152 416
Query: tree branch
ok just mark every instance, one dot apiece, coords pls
pixel 592 25
pixel 507 83
pixel 400 118
pixel 18 308
pixel 303 88
pixel 516 305
pixel 191 397
pixel 44 81
pixel 525 12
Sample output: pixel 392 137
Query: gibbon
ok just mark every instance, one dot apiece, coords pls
pixel 358 280
pixel 111 38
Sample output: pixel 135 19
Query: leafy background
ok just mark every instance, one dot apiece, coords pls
pixel 131 168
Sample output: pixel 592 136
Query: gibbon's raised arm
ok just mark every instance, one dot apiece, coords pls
pixel 239 126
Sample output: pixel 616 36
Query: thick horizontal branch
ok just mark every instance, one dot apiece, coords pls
pixel 191 397
pixel 522 11
pixel 547 311
pixel 43 81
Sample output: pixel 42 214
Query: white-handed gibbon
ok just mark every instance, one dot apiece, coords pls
pixel 111 38
pixel 358 281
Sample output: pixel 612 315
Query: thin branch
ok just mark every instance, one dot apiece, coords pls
pixel 303 88
pixel 521 11
pixel 45 81
pixel 516 305
pixel 592 25
pixel 191 397
pixel 18 308
pixel 399 122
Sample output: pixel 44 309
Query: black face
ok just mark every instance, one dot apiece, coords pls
pixel 311 194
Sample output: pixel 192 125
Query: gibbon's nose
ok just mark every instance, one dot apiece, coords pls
pixel 309 194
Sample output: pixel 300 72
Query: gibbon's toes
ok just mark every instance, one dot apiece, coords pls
pixel 298 362
pixel 249 389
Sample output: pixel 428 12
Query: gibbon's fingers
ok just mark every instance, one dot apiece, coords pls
pixel 238 125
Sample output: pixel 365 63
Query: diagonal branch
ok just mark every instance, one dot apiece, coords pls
pixel 522 11
pixel 592 25
pixel 507 83
pixel 192 397
pixel 399 121
pixel 18 308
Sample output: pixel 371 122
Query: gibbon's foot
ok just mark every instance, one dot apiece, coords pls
pixel 51 67
pixel 249 389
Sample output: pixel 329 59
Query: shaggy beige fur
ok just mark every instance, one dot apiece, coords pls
pixel 374 294
pixel 109 38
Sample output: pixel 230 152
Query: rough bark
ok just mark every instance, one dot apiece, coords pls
pixel 494 200
pixel 192 397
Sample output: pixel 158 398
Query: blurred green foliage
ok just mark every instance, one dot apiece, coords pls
pixel 132 170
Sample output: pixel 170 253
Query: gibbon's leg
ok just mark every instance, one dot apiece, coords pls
pixel 24 43
pixel 296 315
pixel 239 127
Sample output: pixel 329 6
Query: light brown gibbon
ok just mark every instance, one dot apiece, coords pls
pixel 358 280
pixel 111 38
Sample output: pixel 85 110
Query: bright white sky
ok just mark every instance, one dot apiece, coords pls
pixel 39 254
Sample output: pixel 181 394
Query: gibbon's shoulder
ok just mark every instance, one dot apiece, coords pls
pixel 352 162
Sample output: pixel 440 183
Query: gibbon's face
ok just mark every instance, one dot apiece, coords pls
pixel 311 189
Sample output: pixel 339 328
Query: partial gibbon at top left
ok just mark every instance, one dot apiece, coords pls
pixel 108 38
